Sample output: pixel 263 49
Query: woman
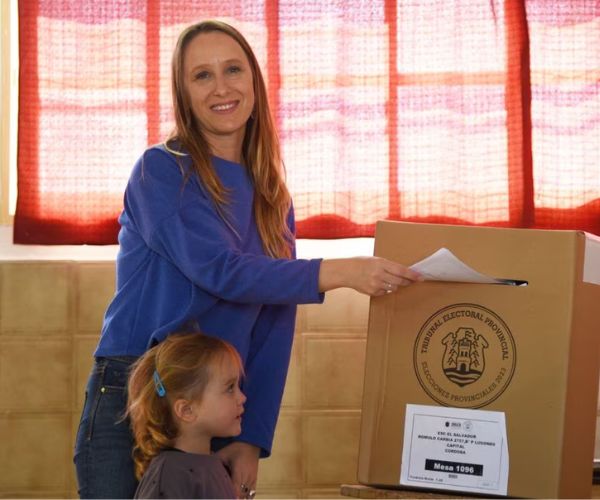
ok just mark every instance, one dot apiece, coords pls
pixel 207 238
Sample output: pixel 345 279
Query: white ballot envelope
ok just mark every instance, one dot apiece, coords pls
pixel 443 265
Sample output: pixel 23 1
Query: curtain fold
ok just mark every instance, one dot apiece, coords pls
pixel 518 116
pixel 475 112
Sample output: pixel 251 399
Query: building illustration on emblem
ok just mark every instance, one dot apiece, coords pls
pixel 464 359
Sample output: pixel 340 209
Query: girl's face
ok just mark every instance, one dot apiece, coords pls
pixel 219 412
pixel 219 83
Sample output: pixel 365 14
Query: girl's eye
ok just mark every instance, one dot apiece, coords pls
pixel 231 388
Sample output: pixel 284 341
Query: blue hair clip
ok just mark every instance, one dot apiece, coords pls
pixel 158 384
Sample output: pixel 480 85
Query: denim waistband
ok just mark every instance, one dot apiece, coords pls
pixel 120 359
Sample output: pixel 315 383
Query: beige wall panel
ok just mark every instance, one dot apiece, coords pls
pixel 301 318
pixel 35 376
pixel 331 448
pixel 333 372
pixel 292 395
pixel 43 380
pixel 284 467
pixel 35 454
pixel 35 298
pixel 95 288
pixel 344 309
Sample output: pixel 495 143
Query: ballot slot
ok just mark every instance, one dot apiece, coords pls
pixel 443 265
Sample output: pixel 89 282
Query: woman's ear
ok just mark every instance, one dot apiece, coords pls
pixel 183 410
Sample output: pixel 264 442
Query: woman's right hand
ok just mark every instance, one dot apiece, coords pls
pixel 372 276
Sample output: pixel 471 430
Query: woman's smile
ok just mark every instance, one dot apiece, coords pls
pixel 226 107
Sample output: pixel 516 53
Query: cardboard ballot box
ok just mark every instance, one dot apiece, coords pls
pixel 530 352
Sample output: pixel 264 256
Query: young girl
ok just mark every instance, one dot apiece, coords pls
pixel 183 392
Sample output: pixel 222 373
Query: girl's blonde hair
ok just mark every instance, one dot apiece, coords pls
pixel 260 150
pixel 183 363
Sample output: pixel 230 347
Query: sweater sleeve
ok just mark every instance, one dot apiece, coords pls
pixel 266 371
pixel 180 223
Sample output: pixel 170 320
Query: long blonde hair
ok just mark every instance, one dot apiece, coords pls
pixel 184 364
pixel 260 150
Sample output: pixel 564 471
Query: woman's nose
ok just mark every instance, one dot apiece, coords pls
pixel 221 87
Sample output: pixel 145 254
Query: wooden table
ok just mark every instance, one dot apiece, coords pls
pixel 361 491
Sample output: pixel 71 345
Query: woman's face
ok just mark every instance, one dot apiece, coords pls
pixel 219 83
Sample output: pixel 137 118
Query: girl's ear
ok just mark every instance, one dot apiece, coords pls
pixel 183 410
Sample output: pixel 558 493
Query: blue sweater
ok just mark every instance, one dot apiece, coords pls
pixel 180 263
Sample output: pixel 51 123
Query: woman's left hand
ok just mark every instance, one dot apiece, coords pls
pixel 242 460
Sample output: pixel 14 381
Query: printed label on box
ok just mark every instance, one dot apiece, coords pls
pixel 455 449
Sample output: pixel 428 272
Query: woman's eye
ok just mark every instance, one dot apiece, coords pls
pixel 234 69
pixel 203 75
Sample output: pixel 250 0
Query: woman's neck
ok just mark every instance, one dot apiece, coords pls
pixel 227 147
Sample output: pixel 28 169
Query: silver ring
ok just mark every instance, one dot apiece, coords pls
pixel 387 286
pixel 244 488
pixel 251 494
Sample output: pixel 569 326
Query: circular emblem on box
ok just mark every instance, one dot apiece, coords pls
pixel 464 356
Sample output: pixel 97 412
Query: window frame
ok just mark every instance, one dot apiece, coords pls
pixel 9 82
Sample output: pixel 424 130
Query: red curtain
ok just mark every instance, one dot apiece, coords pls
pixel 473 112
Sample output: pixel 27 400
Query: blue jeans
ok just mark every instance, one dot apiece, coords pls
pixel 104 441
